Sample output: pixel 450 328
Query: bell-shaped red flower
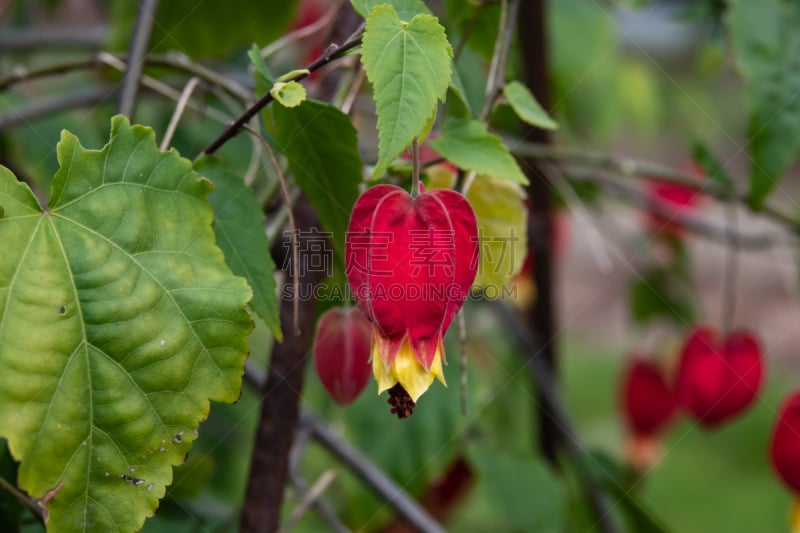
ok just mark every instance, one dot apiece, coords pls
pixel 341 352
pixel 648 406
pixel 717 380
pixel 785 452
pixel 410 262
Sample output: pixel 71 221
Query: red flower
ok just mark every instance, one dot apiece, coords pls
pixel 410 262
pixel 341 353
pixel 785 447
pixel 717 381
pixel 647 401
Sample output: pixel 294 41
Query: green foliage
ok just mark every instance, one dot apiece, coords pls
pixel 662 292
pixel 406 9
pixel 526 107
pixel 239 229
pixel 521 493
pixel 703 156
pixel 481 19
pixel 262 77
pixel 205 29
pixel 767 46
pixel 408 64
pixel 288 94
pixel 470 146
pixel 322 147
pixel 119 322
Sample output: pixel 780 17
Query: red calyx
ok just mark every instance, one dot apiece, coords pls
pixel 718 380
pixel 341 353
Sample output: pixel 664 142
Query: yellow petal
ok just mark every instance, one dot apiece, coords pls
pixel 406 369
pixel 794 517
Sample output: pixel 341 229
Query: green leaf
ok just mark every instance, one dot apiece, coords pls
pixel 262 77
pixel 289 94
pixel 468 145
pixel 703 156
pixel 205 29
pixel 239 228
pixel 662 293
pixel 526 107
pixel 767 47
pixel 119 321
pixel 457 103
pixel 322 147
pixel 406 9
pixel 408 65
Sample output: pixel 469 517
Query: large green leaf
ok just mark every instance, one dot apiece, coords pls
pixel 469 145
pixel 239 228
pixel 205 29
pixel 408 64
pixel 119 321
pixel 322 146
pixel 767 45
pixel 406 9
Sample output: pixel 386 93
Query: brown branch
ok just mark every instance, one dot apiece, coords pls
pixel 331 53
pixel 280 405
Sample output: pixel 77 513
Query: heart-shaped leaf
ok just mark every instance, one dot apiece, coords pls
pixel 119 321
pixel 408 63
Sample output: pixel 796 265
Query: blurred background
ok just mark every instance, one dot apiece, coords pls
pixel 631 81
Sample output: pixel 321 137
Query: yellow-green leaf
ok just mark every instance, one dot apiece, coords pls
pixel 288 94
pixel 526 107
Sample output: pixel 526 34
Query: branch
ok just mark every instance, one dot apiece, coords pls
pixel 724 234
pixel 645 169
pixel 395 496
pixel 280 394
pixel 138 47
pixel 317 26
pixel 173 61
pixel 543 379
pixel 92 37
pixel 331 53
pixel 44 107
pixel 23 499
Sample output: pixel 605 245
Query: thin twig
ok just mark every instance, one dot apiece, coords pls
pixel 301 33
pixel 179 109
pixel 353 90
pixel 415 183
pixel 509 13
pixel 172 61
pixel 731 272
pixel 331 53
pixel 292 229
pixel 23 499
pixel 723 234
pixel 53 37
pixel 138 50
pixel 44 107
pixel 308 498
pixel 638 168
pixel 383 486
pixel 462 339
pixel 543 378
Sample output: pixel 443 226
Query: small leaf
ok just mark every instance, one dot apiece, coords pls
pixel 119 321
pixel 322 147
pixel 294 74
pixel 457 103
pixel 239 228
pixel 406 9
pixel 469 145
pixel 767 46
pixel 526 107
pixel 288 94
pixel 262 77
pixel 662 293
pixel 409 66
pixel 703 157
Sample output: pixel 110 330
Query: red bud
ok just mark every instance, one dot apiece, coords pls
pixel 647 401
pixel 785 447
pixel 341 353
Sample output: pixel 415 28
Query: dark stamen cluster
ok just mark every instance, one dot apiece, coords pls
pixel 401 402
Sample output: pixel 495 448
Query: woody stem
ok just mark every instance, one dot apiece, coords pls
pixel 415 189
